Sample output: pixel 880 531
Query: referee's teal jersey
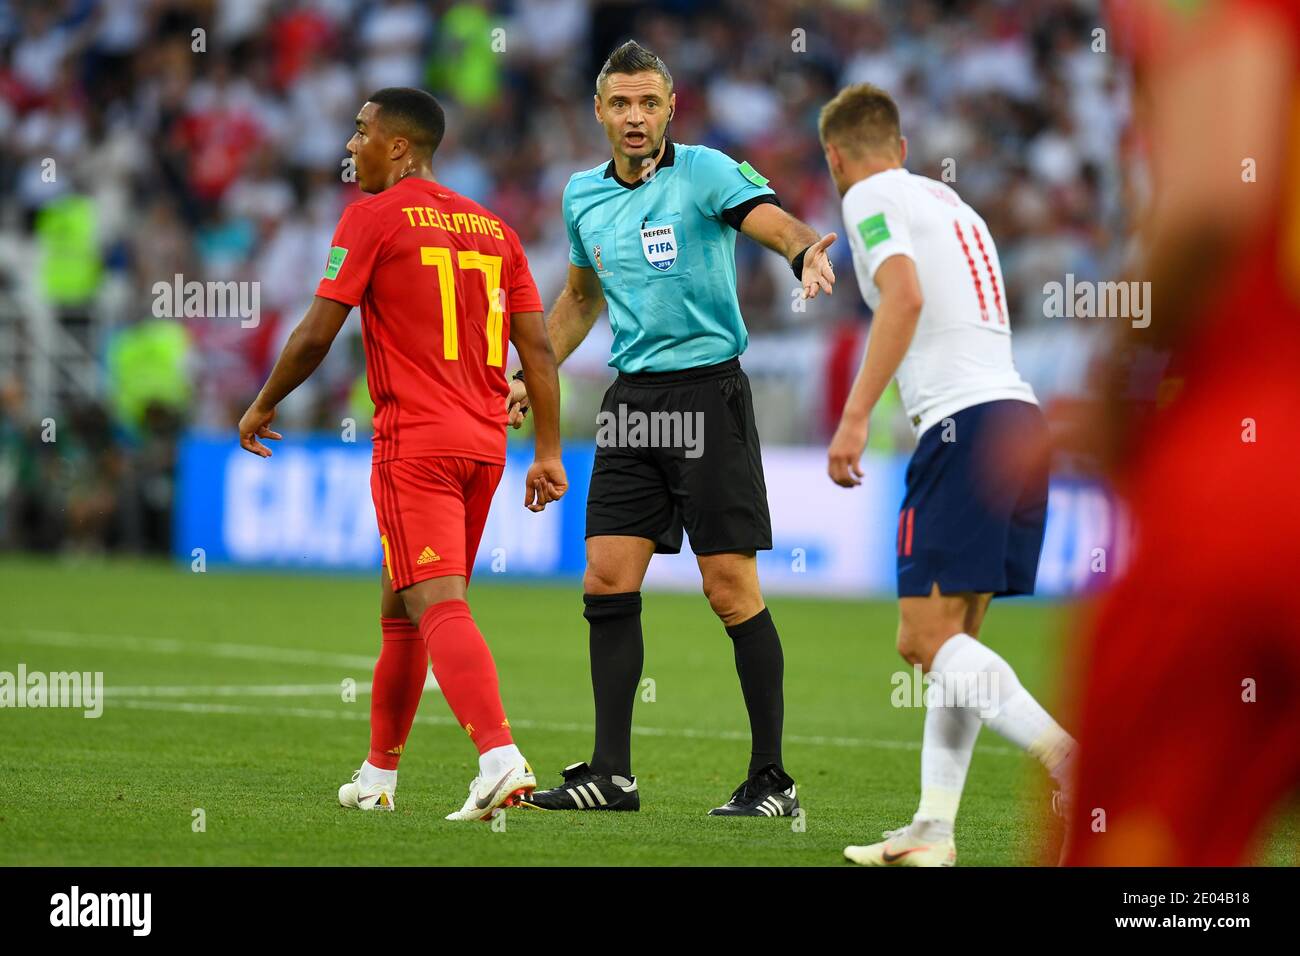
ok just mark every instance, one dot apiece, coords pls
pixel 664 250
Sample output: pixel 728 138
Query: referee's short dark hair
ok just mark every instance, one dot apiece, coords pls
pixel 412 113
pixel 632 57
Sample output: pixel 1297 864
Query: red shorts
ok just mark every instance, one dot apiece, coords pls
pixel 1190 684
pixel 431 513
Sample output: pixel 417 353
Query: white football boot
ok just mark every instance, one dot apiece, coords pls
pixel 486 795
pixel 901 848
pixel 365 796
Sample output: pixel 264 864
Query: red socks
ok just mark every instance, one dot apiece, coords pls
pixel 463 667
pixel 395 691
pixel 466 673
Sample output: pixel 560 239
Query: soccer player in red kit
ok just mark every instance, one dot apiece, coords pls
pixel 442 284
pixel 1189 680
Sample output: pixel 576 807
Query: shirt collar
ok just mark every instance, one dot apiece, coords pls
pixel 670 153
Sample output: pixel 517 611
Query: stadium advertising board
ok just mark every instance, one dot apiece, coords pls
pixel 309 508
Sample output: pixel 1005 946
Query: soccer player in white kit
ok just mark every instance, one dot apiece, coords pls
pixel 971 527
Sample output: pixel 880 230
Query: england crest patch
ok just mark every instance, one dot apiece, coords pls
pixel 659 243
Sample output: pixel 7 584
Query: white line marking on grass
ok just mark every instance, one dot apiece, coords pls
pixel 286 655
pixel 190 707
pixel 244 690
pixel 443 721
pixel 198 648
pixel 234 690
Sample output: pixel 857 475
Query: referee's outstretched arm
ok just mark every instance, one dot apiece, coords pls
pixel 797 241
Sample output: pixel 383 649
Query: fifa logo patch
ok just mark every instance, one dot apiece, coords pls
pixel 595 252
pixel 659 243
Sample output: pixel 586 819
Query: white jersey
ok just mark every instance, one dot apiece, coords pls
pixel 961 354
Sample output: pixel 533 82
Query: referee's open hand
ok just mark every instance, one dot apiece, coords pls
pixel 818 276
pixel 845 454
pixel 546 482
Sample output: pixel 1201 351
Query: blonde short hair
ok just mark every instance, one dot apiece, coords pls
pixel 862 118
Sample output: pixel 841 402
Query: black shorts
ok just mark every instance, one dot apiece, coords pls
pixel 680 450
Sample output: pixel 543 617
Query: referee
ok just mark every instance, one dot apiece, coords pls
pixel 652 236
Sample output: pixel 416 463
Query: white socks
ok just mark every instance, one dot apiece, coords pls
pixel 493 763
pixel 1003 703
pixel 373 776
pixel 971 683
pixel 946 747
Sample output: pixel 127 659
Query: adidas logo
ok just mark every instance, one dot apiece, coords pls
pixel 427 556
pixel 586 795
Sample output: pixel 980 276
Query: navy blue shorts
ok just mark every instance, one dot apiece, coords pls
pixel 968 523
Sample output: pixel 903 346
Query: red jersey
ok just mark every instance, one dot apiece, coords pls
pixel 1206 601
pixel 1249 325
pixel 437 277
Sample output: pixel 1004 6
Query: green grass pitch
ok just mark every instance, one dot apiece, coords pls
pixel 224 693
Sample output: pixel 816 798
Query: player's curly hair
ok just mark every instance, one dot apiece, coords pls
pixel 632 57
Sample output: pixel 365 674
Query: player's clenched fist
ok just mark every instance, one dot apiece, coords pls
pixel 546 482
pixel 845 452
pixel 254 425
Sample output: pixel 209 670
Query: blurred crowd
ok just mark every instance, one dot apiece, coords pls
pixel 145 139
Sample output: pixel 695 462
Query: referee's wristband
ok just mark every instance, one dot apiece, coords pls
pixel 797 263
pixel 518 376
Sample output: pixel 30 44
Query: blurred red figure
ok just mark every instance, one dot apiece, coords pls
pixel 1189 681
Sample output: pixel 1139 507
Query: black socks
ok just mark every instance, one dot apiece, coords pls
pixel 616 658
pixel 617 655
pixel 761 668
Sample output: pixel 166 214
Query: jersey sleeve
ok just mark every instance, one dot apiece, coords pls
pixel 721 183
pixel 877 224
pixel 353 254
pixel 577 254
pixel 522 295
